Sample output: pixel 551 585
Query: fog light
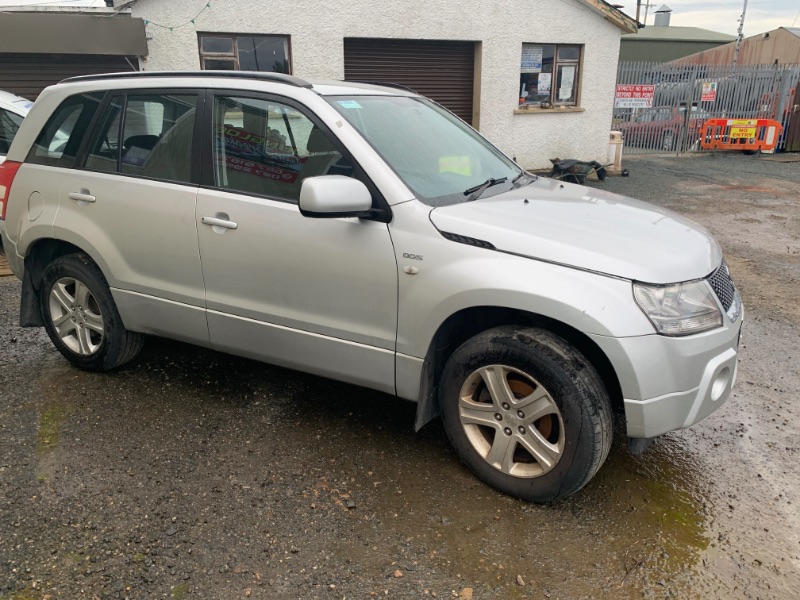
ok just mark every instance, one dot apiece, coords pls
pixel 720 384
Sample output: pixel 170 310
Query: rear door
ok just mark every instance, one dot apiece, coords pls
pixel 131 202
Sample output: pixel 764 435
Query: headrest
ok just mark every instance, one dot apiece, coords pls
pixel 319 142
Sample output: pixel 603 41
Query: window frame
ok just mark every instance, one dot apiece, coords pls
pixel 380 211
pixel 553 102
pixel 195 170
pixel 234 55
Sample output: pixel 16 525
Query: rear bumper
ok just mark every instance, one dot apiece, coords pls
pixel 673 383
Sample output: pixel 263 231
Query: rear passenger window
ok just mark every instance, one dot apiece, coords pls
pixel 57 144
pixel 268 148
pixel 146 135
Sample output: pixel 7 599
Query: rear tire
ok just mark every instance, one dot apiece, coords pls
pixel 81 318
pixel 526 412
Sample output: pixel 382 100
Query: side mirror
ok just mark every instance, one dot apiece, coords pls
pixel 329 196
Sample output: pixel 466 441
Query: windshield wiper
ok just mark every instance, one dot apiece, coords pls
pixel 475 192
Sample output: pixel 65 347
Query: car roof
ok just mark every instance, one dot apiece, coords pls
pixel 14 103
pixel 321 86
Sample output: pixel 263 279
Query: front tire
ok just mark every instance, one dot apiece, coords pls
pixel 526 412
pixel 81 318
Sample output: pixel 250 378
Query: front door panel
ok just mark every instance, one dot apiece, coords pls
pixel 318 295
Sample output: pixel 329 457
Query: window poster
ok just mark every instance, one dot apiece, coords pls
pixel 531 59
pixel 543 86
pixel 567 80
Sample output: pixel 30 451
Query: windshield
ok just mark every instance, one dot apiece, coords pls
pixel 440 158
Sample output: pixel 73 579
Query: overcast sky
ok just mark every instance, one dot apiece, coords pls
pixel 717 15
pixel 723 15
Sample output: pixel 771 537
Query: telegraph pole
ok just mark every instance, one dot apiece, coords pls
pixel 740 36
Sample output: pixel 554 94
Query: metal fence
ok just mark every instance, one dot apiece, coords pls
pixel 685 96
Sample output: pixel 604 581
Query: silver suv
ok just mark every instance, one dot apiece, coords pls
pixel 366 234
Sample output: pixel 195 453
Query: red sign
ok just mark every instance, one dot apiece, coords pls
pixel 709 91
pixel 634 96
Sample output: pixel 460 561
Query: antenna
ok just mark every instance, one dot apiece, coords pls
pixel 740 36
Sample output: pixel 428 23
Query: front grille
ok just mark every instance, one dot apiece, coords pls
pixel 722 284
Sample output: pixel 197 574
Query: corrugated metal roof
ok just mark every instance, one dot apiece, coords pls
pixel 660 51
pixel 679 34
pixel 793 30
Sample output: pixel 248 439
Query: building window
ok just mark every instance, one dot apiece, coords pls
pixel 549 75
pixel 225 52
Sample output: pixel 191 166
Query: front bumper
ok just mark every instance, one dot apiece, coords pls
pixel 673 383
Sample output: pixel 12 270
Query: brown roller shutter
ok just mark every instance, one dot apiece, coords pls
pixel 28 74
pixel 442 70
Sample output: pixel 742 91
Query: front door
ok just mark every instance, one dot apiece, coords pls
pixel 319 295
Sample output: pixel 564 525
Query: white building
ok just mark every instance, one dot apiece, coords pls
pixel 536 77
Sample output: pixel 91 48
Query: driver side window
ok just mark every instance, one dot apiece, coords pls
pixel 268 148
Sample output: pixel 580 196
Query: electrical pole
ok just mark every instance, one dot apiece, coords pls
pixel 740 36
pixel 646 10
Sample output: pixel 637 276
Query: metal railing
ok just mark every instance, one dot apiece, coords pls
pixel 684 96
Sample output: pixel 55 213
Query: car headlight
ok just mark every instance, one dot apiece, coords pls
pixel 680 308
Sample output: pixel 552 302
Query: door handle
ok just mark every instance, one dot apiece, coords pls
pixel 217 222
pixel 82 196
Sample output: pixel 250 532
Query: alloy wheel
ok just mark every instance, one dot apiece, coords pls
pixel 512 421
pixel 76 316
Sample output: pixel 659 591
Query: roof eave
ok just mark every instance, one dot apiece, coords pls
pixel 613 15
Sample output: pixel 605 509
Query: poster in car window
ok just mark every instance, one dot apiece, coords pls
pixel 266 156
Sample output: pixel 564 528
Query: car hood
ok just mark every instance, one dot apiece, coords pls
pixel 587 228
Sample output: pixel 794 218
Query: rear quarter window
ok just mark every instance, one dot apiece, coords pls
pixel 59 140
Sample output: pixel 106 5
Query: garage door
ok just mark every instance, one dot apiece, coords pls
pixel 444 71
pixel 28 74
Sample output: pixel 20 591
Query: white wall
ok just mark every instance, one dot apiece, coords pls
pixel 317 29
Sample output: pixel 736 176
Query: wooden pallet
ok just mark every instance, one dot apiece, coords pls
pixel 5 270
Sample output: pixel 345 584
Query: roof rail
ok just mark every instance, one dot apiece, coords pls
pixel 260 75
pixel 384 84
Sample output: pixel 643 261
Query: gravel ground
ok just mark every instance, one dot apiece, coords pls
pixel 192 474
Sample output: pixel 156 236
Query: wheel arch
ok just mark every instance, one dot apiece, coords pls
pixel 40 254
pixel 468 322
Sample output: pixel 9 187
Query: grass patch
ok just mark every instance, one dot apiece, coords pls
pixel 50 423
